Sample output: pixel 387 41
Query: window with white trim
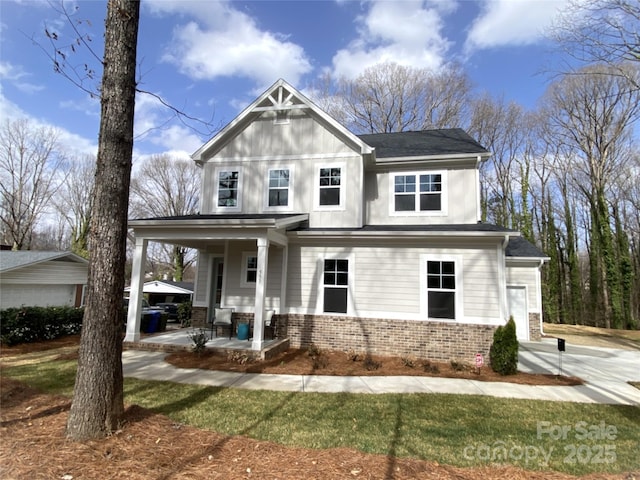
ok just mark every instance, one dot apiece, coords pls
pixel 279 183
pixel 249 269
pixel 330 186
pixel 336 285
pixel 441 289
pixel 228 188
pixel 418 193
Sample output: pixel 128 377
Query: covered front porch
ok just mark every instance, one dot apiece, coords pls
pixel 224 279
pixel 180 340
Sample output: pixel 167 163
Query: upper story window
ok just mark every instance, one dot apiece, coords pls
pixel 419 193
pixel 279 183
pixel 228 188
pixel 330 184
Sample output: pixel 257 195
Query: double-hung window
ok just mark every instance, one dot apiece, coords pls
pixel 279 183
pixel 336 285
pixel 228 188
pixel 330 182
pixel 418 192
pixel 441 289
pixel 249 269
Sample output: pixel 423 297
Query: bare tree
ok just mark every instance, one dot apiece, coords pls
pixel 392 98
pixel 74 201
pixel 31 166
pixel 502 128
pixel 97 406
pixel 167 187
pixel 593 114
pixel 601 31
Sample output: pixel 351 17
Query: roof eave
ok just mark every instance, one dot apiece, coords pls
pixel 433 158
pixel 341 234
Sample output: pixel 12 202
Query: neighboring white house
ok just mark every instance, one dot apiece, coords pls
pixel 364 242
pixel 40 279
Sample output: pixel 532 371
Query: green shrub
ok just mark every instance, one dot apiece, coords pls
pixel 504 349
pixel 36 324
pixel 199 339
pixel 184 314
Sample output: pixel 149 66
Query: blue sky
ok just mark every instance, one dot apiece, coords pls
pixel 212 58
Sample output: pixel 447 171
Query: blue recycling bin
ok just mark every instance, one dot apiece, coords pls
pixel 154 322
pixel 243 331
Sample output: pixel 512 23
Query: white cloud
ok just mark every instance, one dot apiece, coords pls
pixel 512 22
pixel 407 32
pixel 71 143
pixel 226 42
pixel 16 75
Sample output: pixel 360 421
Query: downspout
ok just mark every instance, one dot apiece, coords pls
pixel 478 195
pixel 539 295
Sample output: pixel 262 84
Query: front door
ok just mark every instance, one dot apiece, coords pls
pixel 517 301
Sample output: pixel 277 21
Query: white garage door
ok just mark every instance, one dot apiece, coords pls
pixel 37 295
pixel 517 301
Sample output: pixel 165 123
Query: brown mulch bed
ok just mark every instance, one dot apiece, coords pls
pixel 300 362
pixel 150 446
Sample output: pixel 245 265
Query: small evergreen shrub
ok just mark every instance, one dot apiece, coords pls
pixel 504 349
pixel 184 314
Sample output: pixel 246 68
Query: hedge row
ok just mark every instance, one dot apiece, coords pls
pixel 35 324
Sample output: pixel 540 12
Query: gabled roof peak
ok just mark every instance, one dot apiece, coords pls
pixel 279 97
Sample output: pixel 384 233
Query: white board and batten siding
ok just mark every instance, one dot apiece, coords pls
pixel 385 281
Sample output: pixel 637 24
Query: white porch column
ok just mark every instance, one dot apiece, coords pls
pixel 261 290
pixel 135 295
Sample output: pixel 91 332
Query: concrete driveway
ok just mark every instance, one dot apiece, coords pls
pixel 606 371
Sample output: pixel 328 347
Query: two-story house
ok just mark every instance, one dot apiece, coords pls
pixel 363 242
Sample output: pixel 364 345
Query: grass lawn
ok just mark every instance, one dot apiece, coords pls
pixel 458 430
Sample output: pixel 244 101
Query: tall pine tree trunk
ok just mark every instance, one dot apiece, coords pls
pixel 97 405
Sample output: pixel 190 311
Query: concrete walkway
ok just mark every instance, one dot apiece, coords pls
pixel 606 372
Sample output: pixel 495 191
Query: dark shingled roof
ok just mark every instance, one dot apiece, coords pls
pixel 423 143
pixel 521 247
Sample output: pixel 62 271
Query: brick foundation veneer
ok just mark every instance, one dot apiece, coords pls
pixel 438 341
pixel 534 327
pixel 199 316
